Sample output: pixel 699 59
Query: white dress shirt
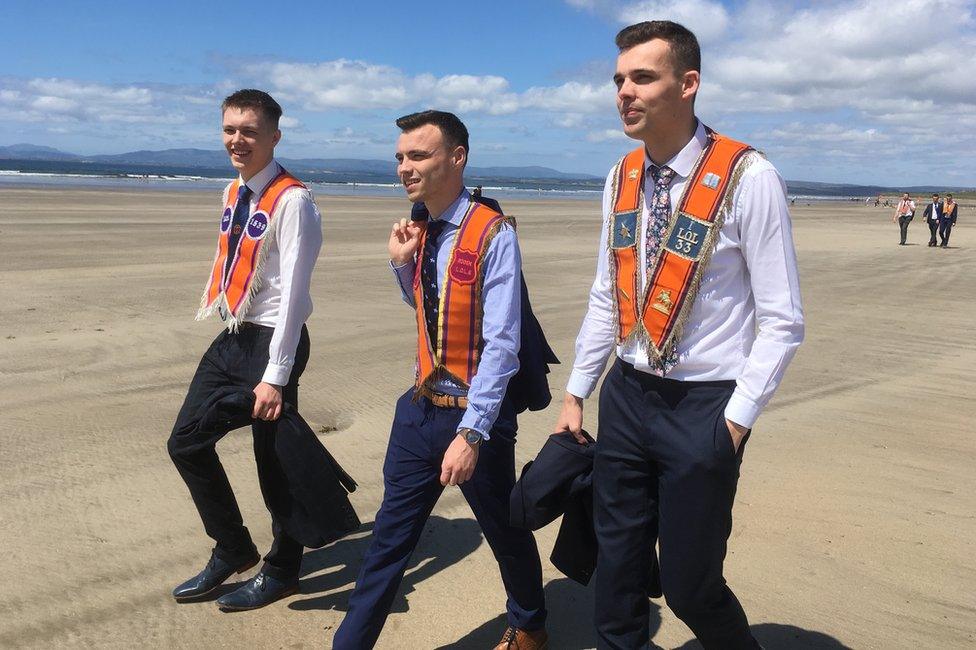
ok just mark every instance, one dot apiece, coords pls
pixel 283 299
pixel 747 320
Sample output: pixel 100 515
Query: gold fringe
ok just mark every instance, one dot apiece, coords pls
pixel 611 263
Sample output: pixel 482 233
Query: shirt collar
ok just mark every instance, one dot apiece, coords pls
pixel 455 212
pixel 261 180
pixel 684 161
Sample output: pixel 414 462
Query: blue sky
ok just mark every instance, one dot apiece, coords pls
pixel 863 91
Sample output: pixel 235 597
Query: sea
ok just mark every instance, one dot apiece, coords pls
pixel 57 174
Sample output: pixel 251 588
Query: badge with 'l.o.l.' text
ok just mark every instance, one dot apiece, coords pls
pixel 464 266
pixel 225 220
pixel 688 236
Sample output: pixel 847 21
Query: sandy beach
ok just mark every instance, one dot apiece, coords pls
pixel 856 510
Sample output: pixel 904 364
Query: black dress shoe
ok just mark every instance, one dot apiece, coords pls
pixel 259 591
pixel 212 576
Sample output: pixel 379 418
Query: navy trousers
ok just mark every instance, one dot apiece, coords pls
pixel 420 435
pixel 665 472
pixel 945 229
pixel 235 359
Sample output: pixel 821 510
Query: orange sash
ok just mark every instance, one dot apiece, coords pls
pixel 456 352
pixel 657 316
pixel 231 293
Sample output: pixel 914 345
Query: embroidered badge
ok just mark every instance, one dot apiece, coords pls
pixel 464 266
pixel 663 302
pixel 225 220
pixel 688 236
pixel 624 232
pixel 633 174
pixel 257 227
pixel 711 180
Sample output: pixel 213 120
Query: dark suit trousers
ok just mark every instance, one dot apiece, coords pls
pixel 945 229
pixel 234 359
pixel 665 471
pixel 933 230
pixel 420 435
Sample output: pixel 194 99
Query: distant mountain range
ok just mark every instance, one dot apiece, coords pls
pixel 213 163
pixel 207 159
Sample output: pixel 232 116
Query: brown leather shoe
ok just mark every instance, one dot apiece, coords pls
pixel 517 639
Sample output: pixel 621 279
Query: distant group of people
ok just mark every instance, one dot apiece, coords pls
pixel 940 216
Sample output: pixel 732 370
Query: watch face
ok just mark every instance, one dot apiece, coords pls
pixel 472 437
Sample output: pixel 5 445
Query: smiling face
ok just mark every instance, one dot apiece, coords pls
pixel 652 98
pixel 431 171
pixel 250 139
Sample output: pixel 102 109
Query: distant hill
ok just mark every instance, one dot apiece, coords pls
pixel 213 163
pixel 212 159
pixel 34 152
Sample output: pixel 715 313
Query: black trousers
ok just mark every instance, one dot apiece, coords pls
pixel 235 359
pixel 903 226
pixel 933 230
pixel 945 229
pixel 665 472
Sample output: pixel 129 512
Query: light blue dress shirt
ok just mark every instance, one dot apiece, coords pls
pixel 501 324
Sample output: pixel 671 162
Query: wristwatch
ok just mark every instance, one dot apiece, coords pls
pixel 470 436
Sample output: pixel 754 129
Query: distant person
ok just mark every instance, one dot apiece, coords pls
pixel 688 209
pixel 269 240
pixel 932 215
pixel 904 213
pixel 947 219
pixel 458 267
pixel 476 194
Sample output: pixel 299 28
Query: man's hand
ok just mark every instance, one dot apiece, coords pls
pixel 459 462
pixel 267 402
pixel 738 432
pixel 571 417
pixel 404 240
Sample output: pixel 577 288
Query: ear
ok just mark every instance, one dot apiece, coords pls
pixel 277 137
pixel 459 157
pixel 689 84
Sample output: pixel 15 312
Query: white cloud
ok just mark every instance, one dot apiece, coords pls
pixel 606 135
pixel 884 74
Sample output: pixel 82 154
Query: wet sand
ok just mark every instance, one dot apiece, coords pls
pixel 854 518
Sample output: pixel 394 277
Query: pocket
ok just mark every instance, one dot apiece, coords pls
pixel 723 437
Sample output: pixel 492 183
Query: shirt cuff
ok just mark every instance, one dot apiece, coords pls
pixel 581 385
pixel 742 410
pixel 277 374
pixel 471 420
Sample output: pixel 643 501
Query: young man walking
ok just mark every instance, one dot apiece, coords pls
pixel 269 239
pixel 696 291
pixel 460 271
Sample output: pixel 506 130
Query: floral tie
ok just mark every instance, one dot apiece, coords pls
pixel 660 213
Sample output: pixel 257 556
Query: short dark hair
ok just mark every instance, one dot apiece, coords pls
pixel 685 52
pixel 452 128
pixel 257 100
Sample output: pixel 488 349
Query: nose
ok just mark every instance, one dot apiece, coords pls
pixel 404 168
pixel 626 90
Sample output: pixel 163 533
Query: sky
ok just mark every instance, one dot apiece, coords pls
pixel 846 91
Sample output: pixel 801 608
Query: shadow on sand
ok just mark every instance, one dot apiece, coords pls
pixel 334 568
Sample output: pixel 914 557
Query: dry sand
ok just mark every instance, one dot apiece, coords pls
pixel 854 522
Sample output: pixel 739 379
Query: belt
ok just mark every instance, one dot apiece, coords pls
pixel 449 401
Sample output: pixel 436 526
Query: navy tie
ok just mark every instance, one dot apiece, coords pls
pixel 428 277
pixel 241 212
